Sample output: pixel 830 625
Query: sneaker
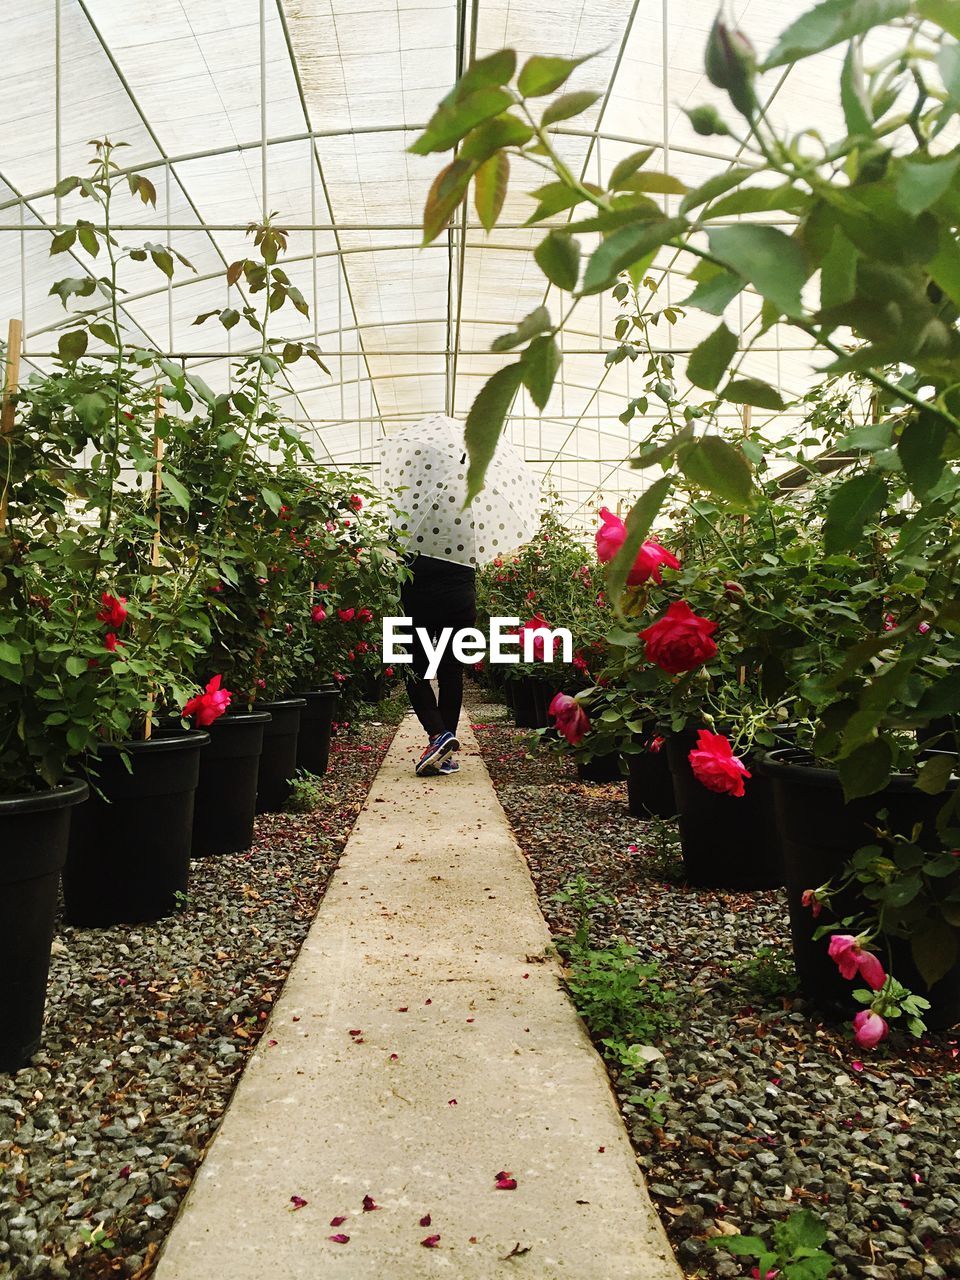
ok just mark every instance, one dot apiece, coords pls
pixel 450 765
pixel 437 750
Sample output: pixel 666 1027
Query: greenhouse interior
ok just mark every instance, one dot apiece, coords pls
pixel 480 640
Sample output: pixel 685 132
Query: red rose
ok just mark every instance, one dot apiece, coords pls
pixel 318 613
pixel 113 612
pixel 346 615
pixel 355 501
pixel 111 643
pixel 649 563
pixel 680 640
pixel 714 764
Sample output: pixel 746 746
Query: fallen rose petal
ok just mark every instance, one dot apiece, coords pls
pixel 272 1042
pixel 339 1220
pixel 425 1220
pixel 452 1102
pixel 369 1204
pixel 124 1172
pixel 298 1202
pixel 856 1066
pixel 430 1242
pixel 340 1239
pixel 394 1057
pixel 355 1033
pixel 506 1184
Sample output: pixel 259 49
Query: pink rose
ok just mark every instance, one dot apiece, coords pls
pixel 714 764
pixel 851 958
pixel 610 537
pixel 570 718
pixel 869 1029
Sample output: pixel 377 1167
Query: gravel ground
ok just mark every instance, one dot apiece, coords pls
pixel 766 1110
pixel 148 1029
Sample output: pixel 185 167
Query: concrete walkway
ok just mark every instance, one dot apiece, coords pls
pixel 423 1046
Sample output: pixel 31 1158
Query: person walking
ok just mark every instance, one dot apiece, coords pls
pixel 439 594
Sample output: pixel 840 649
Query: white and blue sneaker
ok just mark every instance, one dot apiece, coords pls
pixel 449 766
pixel 436 752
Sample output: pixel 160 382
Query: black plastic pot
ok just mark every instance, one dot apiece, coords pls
pixel 531 700
pixel 600 769
pixel 226 799
pixel 728 842
pixel 650 784
pixel 818 833
pixel 34 830
pixel 130 844
pixel 278 762
pixel 316 720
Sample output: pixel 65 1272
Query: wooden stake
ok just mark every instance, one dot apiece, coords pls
pixel 747 418
pixel 155 488
pixel 11 382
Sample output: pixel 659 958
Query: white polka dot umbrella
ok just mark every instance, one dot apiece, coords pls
pixel 425 468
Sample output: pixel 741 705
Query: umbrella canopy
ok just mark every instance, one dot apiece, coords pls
pixel 426 468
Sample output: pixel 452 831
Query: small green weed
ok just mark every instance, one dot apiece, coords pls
pixel 768 973
pixel 306 793
pixel 797 1251
pixel 619 997
pixel 583 899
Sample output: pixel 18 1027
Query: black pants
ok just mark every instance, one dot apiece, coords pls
pixel 433 609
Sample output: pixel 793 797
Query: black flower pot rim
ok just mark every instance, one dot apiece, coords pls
pixel 276 702
pixel 799 765
pixel 320 690
pixel 70 791
pixel 188 740
pixel 239 720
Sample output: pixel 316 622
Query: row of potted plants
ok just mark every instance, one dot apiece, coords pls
pixel 810 646
pixel 186 595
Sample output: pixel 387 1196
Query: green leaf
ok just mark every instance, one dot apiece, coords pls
pixel 742 1246
pixel 502 131
pixel 714 464
pixel 942 698
pixel 176 490
pixel 921 450
pixel 831 23
pixel 868 439
pixel 948 63
pixel 485 422
pixel 935 773
pixel 638 522
pixel 715 186
pixel 661 183
pixel 90 408
pixel 76 666
pixel 802 1230
pixel 538 321
pixel 571 104
pixel 934 949
pixel 542 75
pixel 759 200
pixel 752 391
pixel 63 240
pixel 944 13
pixel 10 655
pixel 769 260
pixel 838 272
pixel 450 123
pixel 447 190
pixel 854 503
pixel 72 345
pixel 624 169
pixel 716 289
pixel 853 94
pixel 558 257
pixel 554 197
pixel 921 184
pixel 88 238
pixel 944 267
pixel 490 189
pixel 105 332
pixel 866 770
pixel 490 72
pixel 540 362
pixel 202 390
pixel 65 186
pixel 708 362
pixel 272 500
pixel 624 247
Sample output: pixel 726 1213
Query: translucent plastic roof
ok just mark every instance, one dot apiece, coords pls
pixel 307 107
